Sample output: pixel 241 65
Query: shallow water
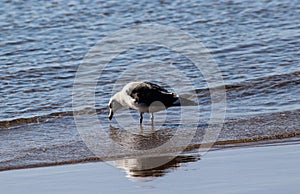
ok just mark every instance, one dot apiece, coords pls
pixel 251 42
pixel 255 44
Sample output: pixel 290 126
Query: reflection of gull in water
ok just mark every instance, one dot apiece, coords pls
pixel 140 168
pixel 145 97
pixel 142 140
pixel 147 165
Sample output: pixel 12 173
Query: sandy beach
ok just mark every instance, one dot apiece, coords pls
pixel 240 169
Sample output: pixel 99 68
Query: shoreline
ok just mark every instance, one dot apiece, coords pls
pixel 268 167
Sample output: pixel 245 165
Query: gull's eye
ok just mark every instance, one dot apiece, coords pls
pixel 109 105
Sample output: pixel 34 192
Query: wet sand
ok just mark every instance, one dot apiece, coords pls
pixel 265 168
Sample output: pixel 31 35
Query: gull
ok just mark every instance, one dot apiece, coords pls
pixel 145 97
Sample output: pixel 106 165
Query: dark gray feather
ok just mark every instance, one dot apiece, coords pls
pixel 147 93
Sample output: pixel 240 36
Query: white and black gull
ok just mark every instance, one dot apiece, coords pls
pixel 145 97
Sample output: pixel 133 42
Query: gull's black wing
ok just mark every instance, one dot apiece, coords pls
pixel 147 93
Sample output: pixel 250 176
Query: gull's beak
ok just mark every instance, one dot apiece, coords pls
pixel 111 114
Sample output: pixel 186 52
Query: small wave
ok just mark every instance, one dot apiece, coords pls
pixel 17 42
pixel 271 88
pixel 44 118
pixel 271 83
pixel 237 48
pixel 36 119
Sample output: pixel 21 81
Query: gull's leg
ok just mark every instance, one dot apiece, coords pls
pixel 152 123
pixel 152 117
pixel 141 117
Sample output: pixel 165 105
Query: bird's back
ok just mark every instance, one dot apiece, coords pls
pixel 147 93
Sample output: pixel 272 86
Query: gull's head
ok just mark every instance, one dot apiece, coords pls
pixel 113 106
